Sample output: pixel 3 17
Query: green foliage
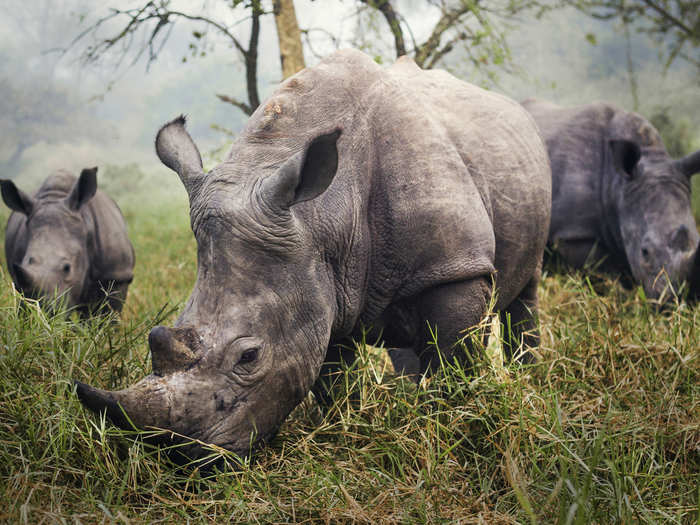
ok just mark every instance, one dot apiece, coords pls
pixel 604 428
pixel 674 24
pixel 676 134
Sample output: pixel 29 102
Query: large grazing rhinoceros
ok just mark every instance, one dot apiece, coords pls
pixel 619 201
pixel 354 196
pixel 69 240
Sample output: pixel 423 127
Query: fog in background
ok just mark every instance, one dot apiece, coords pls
pixel 57 112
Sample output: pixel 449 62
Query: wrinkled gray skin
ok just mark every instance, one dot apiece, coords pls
pixel 354 196
pixel 69 239
pixel 619 201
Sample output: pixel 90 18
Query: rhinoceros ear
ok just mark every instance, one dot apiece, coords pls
pixel 690 164
pixel 83 190
pixel 625 156
pixel 176 149
pixel 15 198
pixel 306 175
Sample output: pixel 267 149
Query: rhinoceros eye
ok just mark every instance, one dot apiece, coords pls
pixel 66 268
pixel 248 356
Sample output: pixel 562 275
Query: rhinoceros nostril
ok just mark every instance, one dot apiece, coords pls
pixel 680 240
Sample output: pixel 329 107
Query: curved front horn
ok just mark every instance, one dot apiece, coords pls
pixel 103 401
pixel 142 405
pixel 176 149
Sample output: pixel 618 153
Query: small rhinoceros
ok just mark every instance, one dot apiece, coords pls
pixel 354 196
pixel 619 202
pixel 69 240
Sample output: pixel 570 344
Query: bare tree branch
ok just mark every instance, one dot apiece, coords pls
pixel 159 14
pixel 386 9
pixel 438 54
pixel 245 108
pixel 306 34
pixel 453 21
pixel 251 59
pixel 448 19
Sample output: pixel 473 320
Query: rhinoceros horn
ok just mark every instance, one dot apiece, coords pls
pixel 177 150
pixel 147 402
pixel 143 405
pixel 103 401
pixel 24 278
pixel 690 164
pixel 168 353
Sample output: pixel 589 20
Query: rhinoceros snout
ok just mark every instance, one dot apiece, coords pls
pixel 168 353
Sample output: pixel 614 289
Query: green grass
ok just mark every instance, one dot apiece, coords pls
pixel 605 428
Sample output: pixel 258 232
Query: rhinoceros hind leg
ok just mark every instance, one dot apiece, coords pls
pixel 519 327
pixel 447 312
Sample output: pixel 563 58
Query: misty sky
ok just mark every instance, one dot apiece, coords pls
pixel 100 114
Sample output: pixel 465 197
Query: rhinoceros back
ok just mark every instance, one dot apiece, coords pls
pixel 438 180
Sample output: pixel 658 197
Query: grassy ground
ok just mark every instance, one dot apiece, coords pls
pixel 605 428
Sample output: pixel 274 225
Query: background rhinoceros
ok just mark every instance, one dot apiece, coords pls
pixel 619 201
pixel 69 239
pixel 354 196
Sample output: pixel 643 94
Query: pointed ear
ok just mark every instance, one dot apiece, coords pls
pixel 15 198
pixel 306 175
pixel 176 149
pixel 625 156
pixel 690 164
pixel 83 190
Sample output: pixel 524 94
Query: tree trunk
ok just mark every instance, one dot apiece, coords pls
pixel 289 36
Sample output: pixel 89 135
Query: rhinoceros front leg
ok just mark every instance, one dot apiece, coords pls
pixel 519 327
pixel 339 357
pixel 441 315
pixel 396 327
pixel 104 297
